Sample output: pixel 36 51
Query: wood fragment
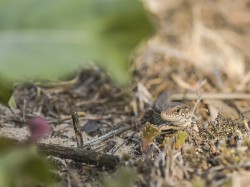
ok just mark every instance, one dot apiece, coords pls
pixel 79 155
pixel 77 129
pixel 75 154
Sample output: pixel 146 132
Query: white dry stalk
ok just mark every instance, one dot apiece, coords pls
pixel 143 96
pixel 198 96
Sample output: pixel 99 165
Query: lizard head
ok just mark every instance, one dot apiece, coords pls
pixel 177 113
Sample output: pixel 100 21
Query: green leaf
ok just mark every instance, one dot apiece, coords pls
pixel 6 90
pixel 180 138
pixel 12 103
pixel 47 39
pixel 148 134
pixel 38 170
pixel 21 165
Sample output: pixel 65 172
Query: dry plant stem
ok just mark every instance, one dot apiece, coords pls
pixel 78 132
pixel 246 125
pixel 198 100
pixel 196 104
pixel 106 136
pixel 79 155
pixel 222 96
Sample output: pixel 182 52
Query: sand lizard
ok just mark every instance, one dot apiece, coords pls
pixel 169 115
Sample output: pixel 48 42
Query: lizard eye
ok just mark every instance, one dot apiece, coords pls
pixel 178 110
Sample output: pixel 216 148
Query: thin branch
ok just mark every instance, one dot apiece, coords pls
pixel 106 136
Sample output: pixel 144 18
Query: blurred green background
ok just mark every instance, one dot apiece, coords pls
pixel 48 39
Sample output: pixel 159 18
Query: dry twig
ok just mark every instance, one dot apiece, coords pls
pixel 106 136
pixel 77 130
pixel 80 155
